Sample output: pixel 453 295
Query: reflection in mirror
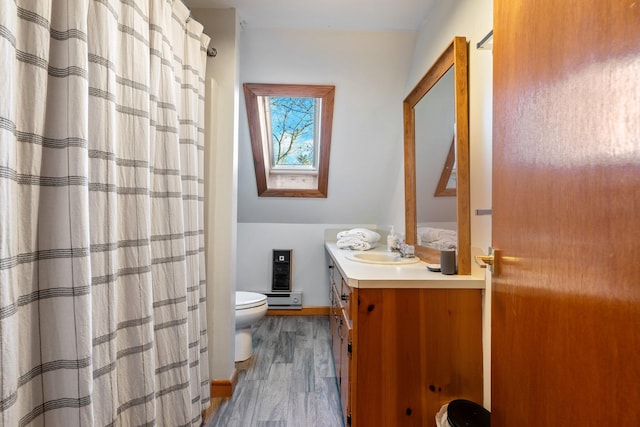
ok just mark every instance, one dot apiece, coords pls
pixel 435 152
pixel 436 120
pixel 448 182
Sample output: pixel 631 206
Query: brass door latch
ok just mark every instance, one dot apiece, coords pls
pixel 491 261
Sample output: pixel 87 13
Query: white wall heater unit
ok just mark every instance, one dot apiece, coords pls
pixel 284 300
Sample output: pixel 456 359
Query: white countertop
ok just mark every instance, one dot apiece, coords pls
pixel 416 275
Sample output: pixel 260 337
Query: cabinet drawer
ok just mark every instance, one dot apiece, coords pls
pixel 346 298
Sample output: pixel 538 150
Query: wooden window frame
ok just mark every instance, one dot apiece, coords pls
pixel 261 161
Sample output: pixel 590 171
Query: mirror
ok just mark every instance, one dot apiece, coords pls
pixel 436 156
pixel 435 152
pixel 447 182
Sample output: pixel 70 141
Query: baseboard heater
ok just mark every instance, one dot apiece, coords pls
pixel 284 300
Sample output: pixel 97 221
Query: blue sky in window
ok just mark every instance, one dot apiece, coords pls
pixel 292 125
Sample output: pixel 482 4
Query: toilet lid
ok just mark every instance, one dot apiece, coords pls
pixel 249 300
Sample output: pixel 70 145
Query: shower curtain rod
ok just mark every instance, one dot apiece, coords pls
pixel 212 52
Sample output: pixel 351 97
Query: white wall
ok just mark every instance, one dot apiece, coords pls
pixel 369 71
pixel 309 260
pixel 221 151
pixel 472 19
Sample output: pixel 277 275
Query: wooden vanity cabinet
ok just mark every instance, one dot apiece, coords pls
pixel 335 324
pixel 341 337
pixel 403 353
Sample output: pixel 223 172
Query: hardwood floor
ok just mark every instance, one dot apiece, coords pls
pixel 289 381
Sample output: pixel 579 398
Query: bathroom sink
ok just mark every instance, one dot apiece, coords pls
pixel 382 258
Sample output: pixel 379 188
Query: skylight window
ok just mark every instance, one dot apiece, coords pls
pixel 293 132
pixel 290 129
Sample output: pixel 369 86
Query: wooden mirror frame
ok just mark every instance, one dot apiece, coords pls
pixel 455 55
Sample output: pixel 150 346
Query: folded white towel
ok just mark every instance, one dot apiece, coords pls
pixel 361 233
pixel 354 243
pixel 428 234
pixel 441 244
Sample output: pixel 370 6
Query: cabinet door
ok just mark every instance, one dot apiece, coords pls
pixel 334 274
pixel 415 349
pixel 345 298
pixel 345 368
pixel 335 320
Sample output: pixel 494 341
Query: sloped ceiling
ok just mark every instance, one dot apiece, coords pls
pixel 325 14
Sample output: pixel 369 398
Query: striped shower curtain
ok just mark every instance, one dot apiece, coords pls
pixel 102 279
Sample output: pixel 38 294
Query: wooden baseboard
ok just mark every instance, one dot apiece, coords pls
pixel 224 388
pixel 305 311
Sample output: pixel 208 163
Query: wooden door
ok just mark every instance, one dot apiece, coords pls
pixel 566 213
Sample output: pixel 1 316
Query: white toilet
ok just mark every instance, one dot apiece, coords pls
pixel 250 307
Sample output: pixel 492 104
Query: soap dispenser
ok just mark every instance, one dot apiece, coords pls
pixel 392 240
